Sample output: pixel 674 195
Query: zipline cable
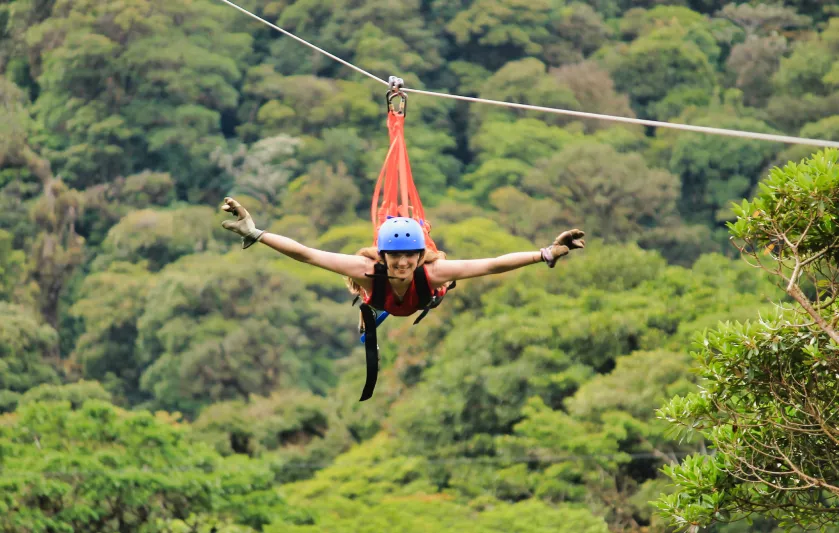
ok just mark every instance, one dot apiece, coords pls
pixel 700 129
pixel 307 43
pixel 643 122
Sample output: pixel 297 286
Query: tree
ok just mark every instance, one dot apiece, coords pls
pixel 22 172
pixel 639 21
pixel 98 468
pixel 109 304
pixel 526 81
pixel 505 152
pixel 713 36
pixel 327 195
pixel 581 32
pixel 127 83
pixel 595 91
pixel 805 70
pixel 58 249
pixel 49 229
pixel 159 236
pixel 380 52
pixel 806 80
pixel 374 488
pixel 495 32
pixel 526 216
pixel 767 404
pixel 615 196
pixel 212 329
pixel 400 513
pixel 15 20
pixel 659 62
pixel 261 170
pixel 299 431
pixel 23 341
pixel 754 62
pixel 306 105
pixel 340 26
pixel 527 140
pixel 108 203
pixel 14 120
pixel 764 19
pixel 818 9
pixel 11 267
pixel 618 409
pixel 715 170
pixel 74 393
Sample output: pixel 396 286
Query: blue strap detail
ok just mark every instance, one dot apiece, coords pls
pixel 379 319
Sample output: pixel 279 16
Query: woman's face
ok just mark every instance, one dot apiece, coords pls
pixel 401 264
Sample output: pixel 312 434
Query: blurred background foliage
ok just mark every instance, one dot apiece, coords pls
pixel 154 377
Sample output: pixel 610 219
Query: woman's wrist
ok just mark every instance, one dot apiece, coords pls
pixel 545 255
pixel 254 236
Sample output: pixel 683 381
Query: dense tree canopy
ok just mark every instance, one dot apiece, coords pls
pixel 156 377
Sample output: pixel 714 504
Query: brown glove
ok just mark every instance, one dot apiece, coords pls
pixel 565 242
pixel 244 225
pixel 572 238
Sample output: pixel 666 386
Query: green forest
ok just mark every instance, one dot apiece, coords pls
pixel 156 377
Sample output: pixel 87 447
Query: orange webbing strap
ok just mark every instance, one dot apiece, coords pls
pixel 395 194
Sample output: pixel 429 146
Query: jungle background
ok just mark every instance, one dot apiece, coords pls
pixel 156 377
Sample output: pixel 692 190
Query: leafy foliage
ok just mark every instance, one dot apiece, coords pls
pixel 23 341
pixel 527 401
pixel 110 470
pixel 768 386
pixel 98 120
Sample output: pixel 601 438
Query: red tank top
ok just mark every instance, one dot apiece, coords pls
pixel 410 301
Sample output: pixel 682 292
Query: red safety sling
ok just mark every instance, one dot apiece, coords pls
pixel 395 195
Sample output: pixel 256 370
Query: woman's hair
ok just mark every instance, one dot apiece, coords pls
pixel 371 252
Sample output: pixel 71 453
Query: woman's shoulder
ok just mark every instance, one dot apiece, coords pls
pixel 431 272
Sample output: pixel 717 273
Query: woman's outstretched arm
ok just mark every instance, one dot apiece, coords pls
pixel 444 270
pixel 353 266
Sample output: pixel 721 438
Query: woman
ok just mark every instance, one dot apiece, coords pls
pixel 400 257
pixel 398 275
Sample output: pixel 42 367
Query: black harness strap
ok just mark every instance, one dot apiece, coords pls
pixel 426 300
pixel 372 351
pixel 380 278
pixel 423 290
pixel 368 316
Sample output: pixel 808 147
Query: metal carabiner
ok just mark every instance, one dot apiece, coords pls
pixel 403 104
pixel 395 89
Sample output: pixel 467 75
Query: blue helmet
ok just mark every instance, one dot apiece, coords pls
pixel 401 234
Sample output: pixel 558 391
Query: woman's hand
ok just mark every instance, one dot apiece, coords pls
pixel 244 225
pixel 572 238
pixel 565 242
pixel 353 266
